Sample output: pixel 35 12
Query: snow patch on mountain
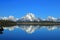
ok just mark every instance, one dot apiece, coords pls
pixel 9 18
pixel 29 17
pixel 50 18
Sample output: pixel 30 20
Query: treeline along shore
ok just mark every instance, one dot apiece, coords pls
pixel 41 23
pixel 8 23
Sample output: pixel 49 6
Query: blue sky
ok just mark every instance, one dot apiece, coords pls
pixel 19 8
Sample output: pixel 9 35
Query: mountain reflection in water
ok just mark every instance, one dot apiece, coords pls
pixel 30 28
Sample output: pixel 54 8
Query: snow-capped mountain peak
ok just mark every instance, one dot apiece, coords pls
pixel 9 18
pixel 50 18
pixel 29 17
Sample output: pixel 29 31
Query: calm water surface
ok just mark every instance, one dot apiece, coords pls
pixel 31 33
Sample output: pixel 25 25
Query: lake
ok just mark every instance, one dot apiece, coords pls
pixel 30 32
